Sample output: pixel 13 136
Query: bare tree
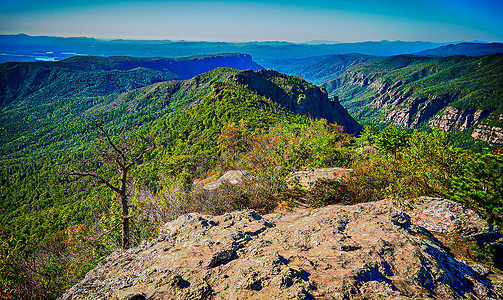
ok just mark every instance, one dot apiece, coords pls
pixel 114 157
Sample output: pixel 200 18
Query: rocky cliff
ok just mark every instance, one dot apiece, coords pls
pixel 298 96
pixel 454 93
pixel 365 251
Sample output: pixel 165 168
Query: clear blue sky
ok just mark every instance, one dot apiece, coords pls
pixel 258 20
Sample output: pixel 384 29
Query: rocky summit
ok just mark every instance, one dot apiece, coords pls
pixel 365 251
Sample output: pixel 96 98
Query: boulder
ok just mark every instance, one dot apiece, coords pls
pixel 445 216
pixel 307 178
pixel 232 177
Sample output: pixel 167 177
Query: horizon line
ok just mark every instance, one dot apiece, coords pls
pixel 312 42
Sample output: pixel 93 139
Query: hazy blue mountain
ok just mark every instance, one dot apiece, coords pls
pixel 468 49
pixel 319 69
pixel 28 48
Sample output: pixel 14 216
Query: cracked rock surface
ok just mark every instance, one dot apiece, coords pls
pixel 365 251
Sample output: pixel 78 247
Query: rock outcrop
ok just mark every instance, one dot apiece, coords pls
pixel 365 251
pixel 307 178
pixel 456 93
pixel 491 134
pixel 453 118
pixel 232 177
pixel 298 96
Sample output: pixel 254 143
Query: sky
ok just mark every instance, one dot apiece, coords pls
pixel 258 20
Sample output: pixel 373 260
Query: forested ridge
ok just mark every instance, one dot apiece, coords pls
pixel 460 81
pixel 55 227
pixel 461 94
pixel 42 136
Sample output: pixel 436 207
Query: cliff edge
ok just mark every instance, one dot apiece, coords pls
pixel 365 251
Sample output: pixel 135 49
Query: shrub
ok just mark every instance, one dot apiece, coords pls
pixel 391 140
pixel 327 191
pixel 480 187
pixel 254 194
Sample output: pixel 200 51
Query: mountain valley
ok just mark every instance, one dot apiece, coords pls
pixel 206 115
pixel 460 94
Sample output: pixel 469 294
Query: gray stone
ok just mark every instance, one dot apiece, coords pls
pixel 364 251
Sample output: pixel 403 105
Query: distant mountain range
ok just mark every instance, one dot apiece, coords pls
pixel 31 48
pixel 24 48
pixel 320 69
pixel 468 49
pixel 461 93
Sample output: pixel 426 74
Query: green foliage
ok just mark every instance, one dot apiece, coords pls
pixel 203 126
pixel 480 186
pixel 328 191
pixel 391 140
pixel 426 166
pixel 370 91
pixel 482 252
pixel 233 142
pixel 57 263
pixel 258 194
pixel 299 146
pixel 368 136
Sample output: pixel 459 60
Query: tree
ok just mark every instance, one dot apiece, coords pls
pixel 391 140
pixel 111 158
pixel 368 136
pixel 481 186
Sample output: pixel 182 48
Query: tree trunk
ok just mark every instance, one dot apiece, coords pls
pixel 123 160
pixel 125 211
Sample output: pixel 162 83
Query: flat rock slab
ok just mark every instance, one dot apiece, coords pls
pixel 232 177
pixel 365 251
pixel 308 178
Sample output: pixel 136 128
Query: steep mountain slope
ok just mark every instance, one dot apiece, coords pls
pixel 184 117
pixel 53 124
pixel 36 121
pixel 455 93
pixel 468 49
pixel 98 76
pixel 297 96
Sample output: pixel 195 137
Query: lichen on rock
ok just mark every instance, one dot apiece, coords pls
pixel 371 250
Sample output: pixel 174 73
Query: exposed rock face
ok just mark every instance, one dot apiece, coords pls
pixel 366 251
pixel 452 118
pixel 308 178
pixel 490 134
pixel 301 98
pixel 305 178
pixel 439 215
pixel 413 91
